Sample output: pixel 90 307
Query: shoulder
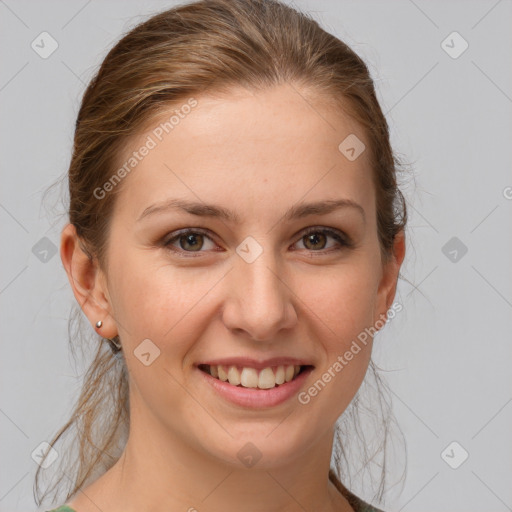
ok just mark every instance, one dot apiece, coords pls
pixel 361 506
pixel 357 504
pixel 364 507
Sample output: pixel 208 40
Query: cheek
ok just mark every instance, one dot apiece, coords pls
pixel 343 313
pixel 152 295
pixel 152 298
pixel 342 299
pixel 340 305
pixel 162 302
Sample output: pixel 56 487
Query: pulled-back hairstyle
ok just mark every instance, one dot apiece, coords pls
pixel 206 46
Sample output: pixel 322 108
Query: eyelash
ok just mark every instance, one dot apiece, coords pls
pixel 344 241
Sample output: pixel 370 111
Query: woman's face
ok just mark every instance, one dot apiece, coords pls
pixel 248 287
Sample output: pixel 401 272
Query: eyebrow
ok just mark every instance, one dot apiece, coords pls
pixel 209 210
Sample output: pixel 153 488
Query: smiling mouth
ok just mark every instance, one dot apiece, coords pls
pixel 245 377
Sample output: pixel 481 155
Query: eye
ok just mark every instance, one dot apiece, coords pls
pixel 315 239
pixel 188 240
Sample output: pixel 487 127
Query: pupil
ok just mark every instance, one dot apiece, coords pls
pixel 191 238
pixel 315 237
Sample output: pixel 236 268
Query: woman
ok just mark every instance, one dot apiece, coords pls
pixel 235 238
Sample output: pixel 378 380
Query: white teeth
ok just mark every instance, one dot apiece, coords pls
pixel 249 378
pixel 234 375
pixel 280 375
pixel 267 378
pixel 222 374
pixel 288 375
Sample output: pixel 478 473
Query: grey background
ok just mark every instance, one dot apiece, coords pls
pixel 448 353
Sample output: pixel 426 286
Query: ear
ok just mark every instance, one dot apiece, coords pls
pixel 87 282
pixel 387 286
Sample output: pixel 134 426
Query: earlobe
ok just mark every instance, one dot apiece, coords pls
pixel 87 283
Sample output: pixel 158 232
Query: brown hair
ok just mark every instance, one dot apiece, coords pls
pixel 204 46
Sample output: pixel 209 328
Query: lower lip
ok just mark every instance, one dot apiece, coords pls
pixel 255 398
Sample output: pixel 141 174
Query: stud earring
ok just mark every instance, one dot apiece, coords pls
pixel 99 323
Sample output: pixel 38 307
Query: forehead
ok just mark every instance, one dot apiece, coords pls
pixel 247 148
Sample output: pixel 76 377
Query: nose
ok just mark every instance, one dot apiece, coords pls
pixel 260 303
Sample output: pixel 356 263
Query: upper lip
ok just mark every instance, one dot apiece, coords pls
pixel 257 364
